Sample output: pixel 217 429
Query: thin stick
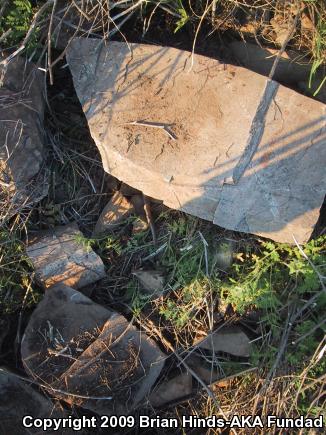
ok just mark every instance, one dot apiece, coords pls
pixel 49 43
pixel 5 34
pixel 149 217
pixel 55 390
pixel 159 125
pixel 285 43
pixel 205 251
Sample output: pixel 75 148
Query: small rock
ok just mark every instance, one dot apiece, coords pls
pixel 228 339
pixel 17 400
pixel 82 351
pixel 171 390
pixel 139 226
pixel 152 281
pixel 114 213
pixel 58 257
pixel 138 202
pixel 206 372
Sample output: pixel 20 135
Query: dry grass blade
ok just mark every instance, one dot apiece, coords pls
pixel 49 41
pixel 32 27
pixel 55 390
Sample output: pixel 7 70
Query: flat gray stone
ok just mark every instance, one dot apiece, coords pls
pixel 19 399
pixel 21 131
pixel 88 355
pixel 59 256
pixel 236 149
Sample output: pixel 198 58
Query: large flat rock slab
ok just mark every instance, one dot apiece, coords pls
pixel 214 140
pixel 88 355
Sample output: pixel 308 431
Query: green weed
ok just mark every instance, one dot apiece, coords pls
pixel 189 302
pixel 16 277
pixel 103 245
pixel 261 282
pixel 184 17
pixel 16 20
pixel 319 52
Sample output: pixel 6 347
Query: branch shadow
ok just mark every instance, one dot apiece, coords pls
pixel 274 188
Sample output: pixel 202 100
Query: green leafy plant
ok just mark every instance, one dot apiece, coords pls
pixel 184 17
pixel 260 282
pixel 17 18
pixel 319 53
pixel 190 300
pixel 103 244
pixel 16 277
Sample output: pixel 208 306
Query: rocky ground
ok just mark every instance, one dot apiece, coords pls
pixel 166 313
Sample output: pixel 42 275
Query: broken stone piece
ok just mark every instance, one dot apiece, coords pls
pixel 59 256
pixel 88 355
pixel 115 212
pixel 17 400
pixel 228 339
pixel 152 281
pixel 21 133
pixel 207 372
pixel 138 202
pixel 139 226
pixel 170 390
pixel 214 140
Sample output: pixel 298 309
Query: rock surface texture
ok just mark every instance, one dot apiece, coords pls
pixel 21 131
pixel 213 140
pixel 60 257
pixel 117 210
pixel 17 400
pixel 90 356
